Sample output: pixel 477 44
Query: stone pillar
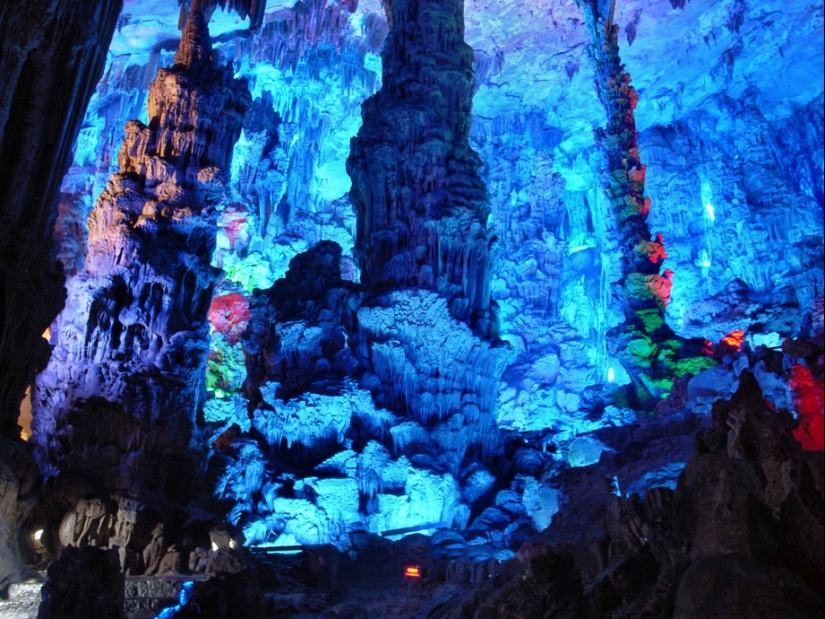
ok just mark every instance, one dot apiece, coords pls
pixel 422 207
pixel 643 291
pixel 117 404
pixel 427 328
pixel 53 52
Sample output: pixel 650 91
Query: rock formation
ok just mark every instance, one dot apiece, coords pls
pixel 422 240
pixel 642 256
pixel 84 582
pixel 53 52
pixel 369 400
pixel 422 208
pixel 253 9
pixel 644 344
pixel 53 55
pixel 116 409
pixel 336 409
pixel 297 334
pixel 745 520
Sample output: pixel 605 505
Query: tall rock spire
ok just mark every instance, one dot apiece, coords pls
pixel 643 290
pixel 422 207
pixel 195 49
pixel 119 399
pixel 428 327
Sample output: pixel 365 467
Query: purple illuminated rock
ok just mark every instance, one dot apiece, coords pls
pixel 62 44
pixel 117 405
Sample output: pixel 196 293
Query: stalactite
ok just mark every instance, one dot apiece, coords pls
pixel 253 9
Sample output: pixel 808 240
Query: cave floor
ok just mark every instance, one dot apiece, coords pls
pixel 373 599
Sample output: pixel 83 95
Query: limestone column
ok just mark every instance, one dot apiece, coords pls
pixel 643 291
pixel 427 328
pixel 117 404
pixel 422 207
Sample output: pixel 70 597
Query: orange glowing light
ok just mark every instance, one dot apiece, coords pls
pixel 735 339
pixel 412 571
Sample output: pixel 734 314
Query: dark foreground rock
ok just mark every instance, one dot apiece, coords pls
pixel 740 536
pixel 85 583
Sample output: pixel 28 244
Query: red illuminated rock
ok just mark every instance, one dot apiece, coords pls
pixel 230 315
pixel 808 401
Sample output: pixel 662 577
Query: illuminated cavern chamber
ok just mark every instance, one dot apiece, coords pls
pixel 335 400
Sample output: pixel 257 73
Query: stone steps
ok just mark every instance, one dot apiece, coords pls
pixel 23 601
pixel 145 597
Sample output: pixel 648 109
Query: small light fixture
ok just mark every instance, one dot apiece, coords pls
pixel 233 544
pixel 412 571
pixel 214 547
pixel 37 535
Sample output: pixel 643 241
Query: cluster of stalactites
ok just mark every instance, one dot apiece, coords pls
pixel 642 253
pixel 253 9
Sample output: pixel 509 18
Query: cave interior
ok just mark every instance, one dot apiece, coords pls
pixel 411 308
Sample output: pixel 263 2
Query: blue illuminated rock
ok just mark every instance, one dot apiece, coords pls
pixel 360 382
pixel 421 205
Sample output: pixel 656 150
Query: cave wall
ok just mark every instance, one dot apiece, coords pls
pixel 52 56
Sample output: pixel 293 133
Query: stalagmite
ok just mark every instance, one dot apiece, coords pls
pixel 117 405
pixel 422 207
pixel 422 239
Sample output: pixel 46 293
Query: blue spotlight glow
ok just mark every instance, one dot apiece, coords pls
pixel 711 213
pixel 183 597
